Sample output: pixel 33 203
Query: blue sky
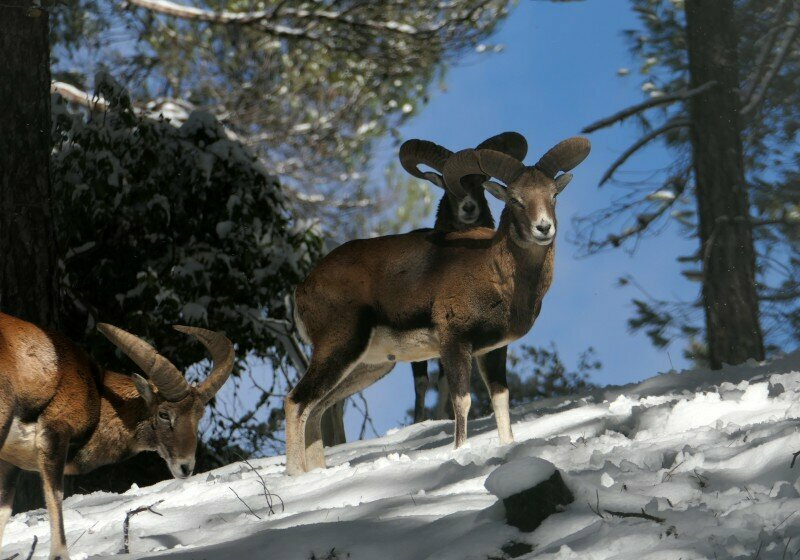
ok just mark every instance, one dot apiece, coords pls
pixel 558 73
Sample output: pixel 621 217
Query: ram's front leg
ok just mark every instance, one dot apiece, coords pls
pixel 457 363
pixel 8 480
pixel 492 367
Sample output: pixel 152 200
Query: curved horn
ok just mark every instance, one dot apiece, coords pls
pixel 564 156
pixel 165 376
pixel 480 162
pixel 222 356
pixel 509 143
pixel 416 152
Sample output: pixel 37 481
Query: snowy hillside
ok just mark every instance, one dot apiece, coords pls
pixel 707 453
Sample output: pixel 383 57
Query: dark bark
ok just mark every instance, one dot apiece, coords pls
pixel 733 332
pixel 28 251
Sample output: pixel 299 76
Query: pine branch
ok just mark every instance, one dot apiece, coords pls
pixel 770 39
pixel 780 58
pixel 644 221
pixel 639 144
pixel 654 102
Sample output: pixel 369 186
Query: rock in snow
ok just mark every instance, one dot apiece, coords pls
pixel 708 453
pixel 531 489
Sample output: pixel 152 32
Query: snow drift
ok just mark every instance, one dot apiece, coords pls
pixel 703 458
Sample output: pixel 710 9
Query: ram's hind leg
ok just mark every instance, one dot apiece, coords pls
pixel 420 373
pixel 52 451
pixel 8 480
pixel 457 363
pixel 492 367
pixel 361 377
pixel 331 361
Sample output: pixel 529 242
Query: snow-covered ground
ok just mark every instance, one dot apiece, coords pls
pixel 707 452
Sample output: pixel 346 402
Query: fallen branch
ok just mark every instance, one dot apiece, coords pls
pixel 245 503
pixel 642 515
pixel 653 102
pixel 126 525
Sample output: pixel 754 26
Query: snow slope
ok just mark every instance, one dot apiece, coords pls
pixel 708 452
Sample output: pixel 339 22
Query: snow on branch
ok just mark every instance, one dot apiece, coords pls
pixel 75 95
pixel 654 102
pixel 174 9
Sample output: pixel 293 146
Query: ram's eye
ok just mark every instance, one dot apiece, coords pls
pixel 516 202
pixel 163 415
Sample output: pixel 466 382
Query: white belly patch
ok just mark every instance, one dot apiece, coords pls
pixel 20 446
pixel 388 345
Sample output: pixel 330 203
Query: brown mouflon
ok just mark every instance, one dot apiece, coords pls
pixel 428 294
pixel 60 413
pixel 456 212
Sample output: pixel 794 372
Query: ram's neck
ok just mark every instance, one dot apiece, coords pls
pixel 123 429
pixel 528 272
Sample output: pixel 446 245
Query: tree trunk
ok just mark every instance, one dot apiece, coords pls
pixel 733 332
pixel 28 251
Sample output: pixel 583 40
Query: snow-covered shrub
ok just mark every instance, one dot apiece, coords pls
pixel 163 223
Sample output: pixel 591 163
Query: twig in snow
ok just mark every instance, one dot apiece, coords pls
pixel 758 550
pixel 596 509
pixel 33 548
pixel 668 475
pixel 702 481
pixel 794 458
pixel 268 496
pixel 245 503
pixel 642 515
pixel 126 525
pixel 784 520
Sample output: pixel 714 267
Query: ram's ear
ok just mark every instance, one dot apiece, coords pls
pixel 562 181
pixel 435 178
pixel 145 389
pixel 496 190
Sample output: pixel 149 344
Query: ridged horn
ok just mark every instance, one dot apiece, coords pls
pixel 416 152
pixel 509 143
pixel 564 156
pixel 222 356
pixel 162 373
pixel 480 162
